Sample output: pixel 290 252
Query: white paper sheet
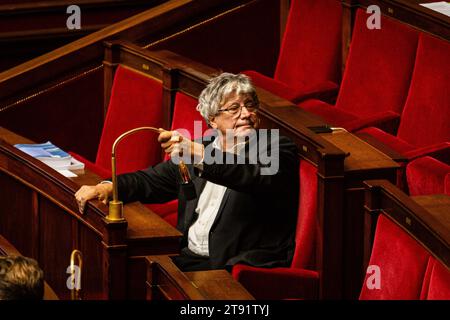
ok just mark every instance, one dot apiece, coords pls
pixel 67 173
pixel 440 6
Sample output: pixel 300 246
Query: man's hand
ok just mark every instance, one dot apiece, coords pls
pixel 101 191
pixel 178 147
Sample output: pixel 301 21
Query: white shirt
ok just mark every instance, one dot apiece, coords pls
pixel 207 209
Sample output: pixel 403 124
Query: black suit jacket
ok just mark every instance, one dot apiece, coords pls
pixel 256 220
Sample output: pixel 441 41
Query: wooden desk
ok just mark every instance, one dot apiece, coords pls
pixel 40 217
pixel 165 281
pixel 438 207
pixel 363 162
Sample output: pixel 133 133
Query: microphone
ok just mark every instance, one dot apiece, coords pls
pixel 115 206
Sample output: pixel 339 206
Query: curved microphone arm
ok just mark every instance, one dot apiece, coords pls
pixel 76 290
pixel 116 206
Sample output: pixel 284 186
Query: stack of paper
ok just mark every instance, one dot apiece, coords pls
pixel 52 156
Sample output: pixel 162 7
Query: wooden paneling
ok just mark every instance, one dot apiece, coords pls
pixel 55 245
pixel 31 28
pixel 245 39
pixel 70 114
pixel 16 214
pixel 90 244
pixel 70 77
pixel 105 244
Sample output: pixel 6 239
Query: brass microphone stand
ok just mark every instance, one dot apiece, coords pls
pixel 76 290
pixel 115 205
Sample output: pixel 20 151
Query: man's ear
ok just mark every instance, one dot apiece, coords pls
pixel 212 122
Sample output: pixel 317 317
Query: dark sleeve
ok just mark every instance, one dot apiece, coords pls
pixel 255 177
pixel 157 184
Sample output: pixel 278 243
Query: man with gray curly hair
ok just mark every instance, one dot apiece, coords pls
pixel 241 212
pixel 213 97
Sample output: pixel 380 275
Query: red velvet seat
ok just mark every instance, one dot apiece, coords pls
pixel 300 280
pixel 136 101
pixel 309 59
pixel 424 126
pixel 376 78
pixel 406 270
pixel 427 176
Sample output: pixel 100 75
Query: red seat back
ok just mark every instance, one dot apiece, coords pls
pixel 401 262
pixel 426 116
pixel 310 51
pixel 379 67
pixel 406 270
pixel 427 176
pixel 306 232
pixel 436 285
pixel 136 100
pixel 185 115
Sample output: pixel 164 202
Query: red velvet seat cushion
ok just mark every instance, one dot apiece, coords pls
pixel 278 283
pixel 426 176
pixel 279 88
pixel 389 140
pixel 402 262
pixel 298 281
pixel 136 100
pixel 329 113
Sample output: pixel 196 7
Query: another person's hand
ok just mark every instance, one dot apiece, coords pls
pixel 179 146
pixel 101 191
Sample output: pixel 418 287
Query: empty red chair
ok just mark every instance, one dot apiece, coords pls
pixel 376 78
pixel 400 268
pixel 425 122
pixel 136 101
pixel 300 280
pixel 310 56
pixel 427 176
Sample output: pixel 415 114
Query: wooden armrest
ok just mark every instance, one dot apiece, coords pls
pixel 166 280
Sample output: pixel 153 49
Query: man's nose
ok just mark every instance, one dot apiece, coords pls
pixel 244 112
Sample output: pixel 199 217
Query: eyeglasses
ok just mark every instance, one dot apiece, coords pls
pixel 236 108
